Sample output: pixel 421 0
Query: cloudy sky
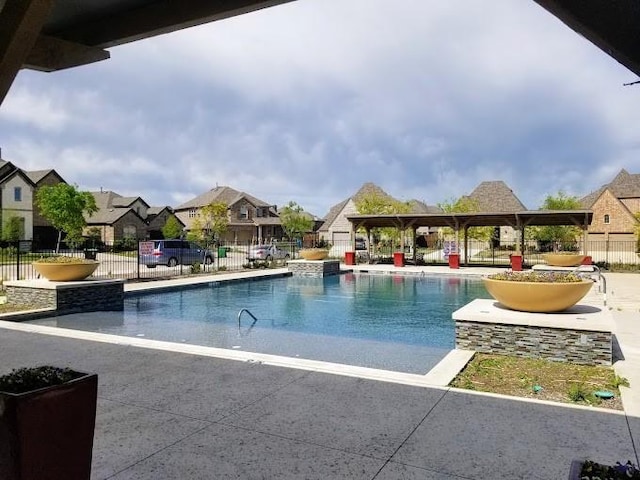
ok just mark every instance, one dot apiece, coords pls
pixel 309 100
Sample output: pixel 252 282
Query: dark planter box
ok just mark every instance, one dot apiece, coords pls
pixel 47 434
pixel 576 468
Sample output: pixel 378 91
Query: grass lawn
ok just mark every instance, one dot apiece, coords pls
pixel 521 377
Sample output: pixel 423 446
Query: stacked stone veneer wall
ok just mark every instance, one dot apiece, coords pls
pixel 314 268
pixel 575 346
pixel 67 298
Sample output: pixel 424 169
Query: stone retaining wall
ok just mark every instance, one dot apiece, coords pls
pixel 314 268
pixel 568 345
pixel 68 297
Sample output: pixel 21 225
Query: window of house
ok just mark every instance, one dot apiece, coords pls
pixel 244 212
pixel 193 213
pixel 606 218
pixel 17 194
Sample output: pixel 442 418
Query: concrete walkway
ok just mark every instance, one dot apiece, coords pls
pixel 169 415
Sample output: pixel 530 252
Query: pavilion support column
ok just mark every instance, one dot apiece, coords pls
pixel 466 246
pixel 585 238
pixel 521 246
pixel 414 233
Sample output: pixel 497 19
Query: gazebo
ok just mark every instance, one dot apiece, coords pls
pixel 463 221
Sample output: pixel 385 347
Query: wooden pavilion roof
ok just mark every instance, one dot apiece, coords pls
pixel 580 218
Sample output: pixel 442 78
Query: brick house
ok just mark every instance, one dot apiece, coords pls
pixel 157 218
pixel 120 218
pixel 336 229
pixel 250 219
pixel 614 208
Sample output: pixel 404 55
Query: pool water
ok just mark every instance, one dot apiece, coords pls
pixel 399 323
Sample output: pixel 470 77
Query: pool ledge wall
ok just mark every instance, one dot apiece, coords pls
pixel 313 268
pixel 581 334
pixel 68 297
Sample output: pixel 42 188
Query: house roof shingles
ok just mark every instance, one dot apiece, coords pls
pixel 624 185
pixel 223 194
pixel 496 197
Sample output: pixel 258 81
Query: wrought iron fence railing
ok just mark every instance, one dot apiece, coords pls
pixel 118 261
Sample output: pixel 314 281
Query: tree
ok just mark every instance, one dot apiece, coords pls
pixel 196 232
pixel 172 228
pixel 214 220
pixel 13 229
pixel 466 204
pixel 295 222
pixel 560 236
pixel 65 206
pixel 373 203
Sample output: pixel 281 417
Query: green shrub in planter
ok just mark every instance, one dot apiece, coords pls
pixel 588 470
pixel 47 419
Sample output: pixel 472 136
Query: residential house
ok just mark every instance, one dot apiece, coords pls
pixel 336 229
pixel 17 199
pixel 250 219
pixel 157 218
pixel 44 234
pixel 496 197
pixel 614 206
pixel 17 195
pixel 117 217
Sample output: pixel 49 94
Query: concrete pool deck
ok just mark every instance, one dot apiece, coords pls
pixel 166 415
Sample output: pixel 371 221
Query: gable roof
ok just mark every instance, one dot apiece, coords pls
pixel 367 189
pixel 588 200
pixel 107 199
pixel 36 176
pixel 333 214
pixel 20 173
pixel 153 211
pixel 623 185
pixel 222 194
pixel 496 197
pixel 119 201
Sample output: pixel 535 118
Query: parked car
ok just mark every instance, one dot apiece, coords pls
pixel 361 243
pixel 173 252
pixel 266 253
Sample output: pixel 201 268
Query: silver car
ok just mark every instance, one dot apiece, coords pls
pixel 173 252
pixel 266 253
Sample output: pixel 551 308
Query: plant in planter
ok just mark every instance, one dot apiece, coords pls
pixel 588 470
pixel 63 269
pixel 563 259
pixel 537 291
pixel 47 419
pixel 314 253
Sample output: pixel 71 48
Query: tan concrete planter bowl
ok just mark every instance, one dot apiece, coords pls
pixel 563 260
pixel 314 253
pixel 537 296
pixel 66 272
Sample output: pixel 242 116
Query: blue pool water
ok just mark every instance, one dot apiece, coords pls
pixel 399 323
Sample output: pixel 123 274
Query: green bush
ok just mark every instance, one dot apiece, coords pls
pixel 28 379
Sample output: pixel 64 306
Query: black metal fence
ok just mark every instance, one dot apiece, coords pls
pixel 128 262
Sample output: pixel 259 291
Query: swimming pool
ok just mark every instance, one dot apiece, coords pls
pixel 400 323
